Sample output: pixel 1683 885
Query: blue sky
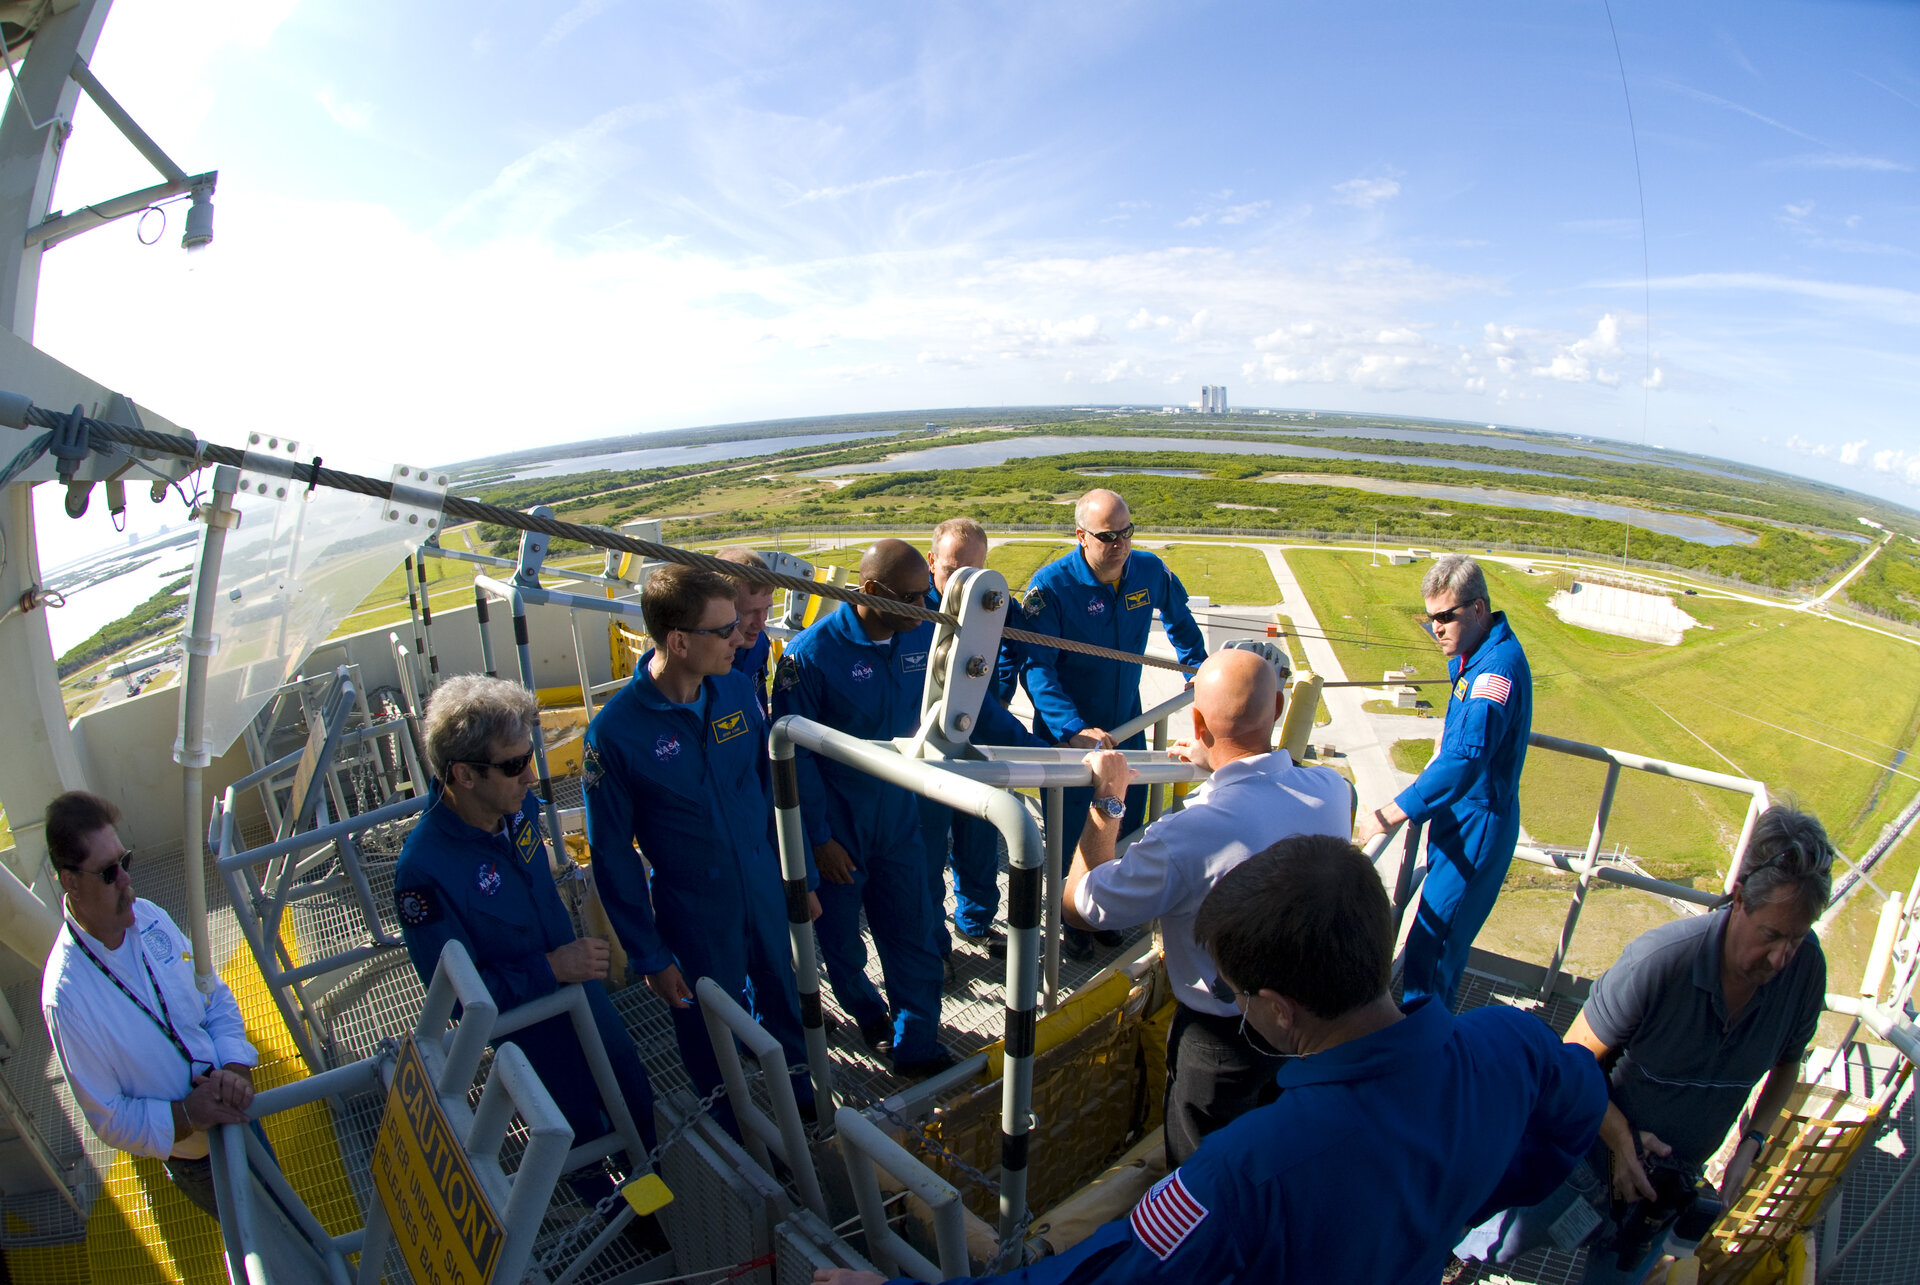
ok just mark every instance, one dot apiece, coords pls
pixel 451 229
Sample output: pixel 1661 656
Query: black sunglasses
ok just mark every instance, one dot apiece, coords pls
pixel 1451 614
pixel 1223 992
pixel 719 631
pixel 911 599
pixel 110 872
pixel 1113 537
pixel 505 767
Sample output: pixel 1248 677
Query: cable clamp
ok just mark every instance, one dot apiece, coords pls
pixel 194 645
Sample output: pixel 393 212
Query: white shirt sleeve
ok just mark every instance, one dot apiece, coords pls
pixel 1143 884
pixel 143 1126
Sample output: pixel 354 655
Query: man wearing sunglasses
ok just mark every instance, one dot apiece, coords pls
pixel 475 870
pixel 861 670
pixel 152 1062
pixel 1469 794
pixel 1104 592
pixel 677 764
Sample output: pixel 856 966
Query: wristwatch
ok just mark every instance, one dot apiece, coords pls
pixel 1115 808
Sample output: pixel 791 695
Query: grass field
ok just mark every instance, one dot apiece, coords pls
pixel 1223 573
pixel 1814 708
pixel 1412 756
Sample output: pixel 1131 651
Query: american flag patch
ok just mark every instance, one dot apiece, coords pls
pixel 1493 687
pixel 1166 1216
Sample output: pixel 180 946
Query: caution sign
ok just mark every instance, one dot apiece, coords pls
pixel 442 1222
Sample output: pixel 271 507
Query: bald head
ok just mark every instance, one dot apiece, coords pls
pixel 1236 696
pixel 889 561
pixel 1100 510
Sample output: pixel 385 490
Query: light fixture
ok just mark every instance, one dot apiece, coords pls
pixel 199 233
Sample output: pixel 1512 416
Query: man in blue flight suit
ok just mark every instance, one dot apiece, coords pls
pixel 677 762
pixel 1104 592
pixel 1470 793
pixel 474 870
pixel 862 671
pixel 957 543
pixel 753 603
pixel 1393 1129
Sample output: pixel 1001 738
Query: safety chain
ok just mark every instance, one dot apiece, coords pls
pixel 612 1200
pixel 1011 1249
pixel 203 453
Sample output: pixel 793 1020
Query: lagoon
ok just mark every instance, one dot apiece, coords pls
pixel 1698 530
pixel 986 454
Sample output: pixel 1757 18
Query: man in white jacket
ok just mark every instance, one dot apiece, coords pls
pixel 152 1062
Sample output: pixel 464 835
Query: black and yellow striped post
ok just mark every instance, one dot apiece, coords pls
pixel 792 835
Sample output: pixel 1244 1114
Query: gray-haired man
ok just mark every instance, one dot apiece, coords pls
pixel 1470 793
pixel 1694 1013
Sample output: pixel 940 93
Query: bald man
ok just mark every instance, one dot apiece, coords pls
pixel 1103 592
pixel 1256 797
pixel 860 671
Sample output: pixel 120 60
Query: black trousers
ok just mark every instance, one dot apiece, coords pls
pixel 1214 1076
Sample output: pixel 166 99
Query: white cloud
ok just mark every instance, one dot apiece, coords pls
pixel 865 185
pixel 1850 451
pixel 1366 192
pixel 1843 161
pixel 1881 303
pixel 354 116
pixel 1579 361
pixel 1241 213
pixel 573 19
pixel 1904 465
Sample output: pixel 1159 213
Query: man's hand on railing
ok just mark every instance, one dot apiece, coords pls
pixel 585 959
pixel 1089 738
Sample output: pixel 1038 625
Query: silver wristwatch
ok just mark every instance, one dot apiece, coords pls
pixel 1115 808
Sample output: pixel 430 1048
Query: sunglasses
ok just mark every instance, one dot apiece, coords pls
pixel 505 767
pixel 720 631
pixel 110 873
pixel 1451 614
pixel 911 599
pixel 1222 992
pixel 1113 537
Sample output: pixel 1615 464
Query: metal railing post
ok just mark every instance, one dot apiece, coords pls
pixel 426 629
pixel 792 835
pixel 1587 864
pixel 486 640
pixel 1055 797
pixel 786 1135
pixel 863 1144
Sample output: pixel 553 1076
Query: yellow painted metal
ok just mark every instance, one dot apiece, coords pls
pixel 143 1230
pixel 443 1225
pixel 1065 1022
pixel 647 1194
pixel 1303 701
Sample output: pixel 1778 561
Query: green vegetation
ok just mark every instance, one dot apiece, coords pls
pixel 1223 573
pixel 157 615
pixel 1889 586
pixel 1813 707
pixel 1412 756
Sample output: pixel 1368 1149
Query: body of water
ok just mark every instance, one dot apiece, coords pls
pixel 103 587
pixel 1699 530
pixel 985 454
pixel 1616 452
pixel 671 456
pixel 1149 472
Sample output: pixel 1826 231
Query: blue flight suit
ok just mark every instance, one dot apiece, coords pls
pixel 694 790
pixel 976 844
pixel 1376 1154
pixel 752 661
pixel 840 678
pixel 1071 691
pixel 494 894
pixel 1469 796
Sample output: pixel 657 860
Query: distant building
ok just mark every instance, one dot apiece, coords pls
pixel 1220 398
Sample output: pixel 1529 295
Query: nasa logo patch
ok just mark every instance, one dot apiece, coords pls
pixel 666 747
pixel 487 879
pixel 725 729
pixel 417 906
pixel 1095 607
pixel 1034 603
pixel 861 672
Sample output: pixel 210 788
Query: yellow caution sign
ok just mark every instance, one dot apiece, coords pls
pixel 442 1222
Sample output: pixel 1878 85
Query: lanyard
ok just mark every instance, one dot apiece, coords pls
pixel 166 1025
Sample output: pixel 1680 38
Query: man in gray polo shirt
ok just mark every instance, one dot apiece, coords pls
pixel 1690 1019
pixel 1256 797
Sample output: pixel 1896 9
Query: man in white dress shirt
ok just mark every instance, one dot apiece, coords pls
pixel 152 1062
pixel 1256 797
